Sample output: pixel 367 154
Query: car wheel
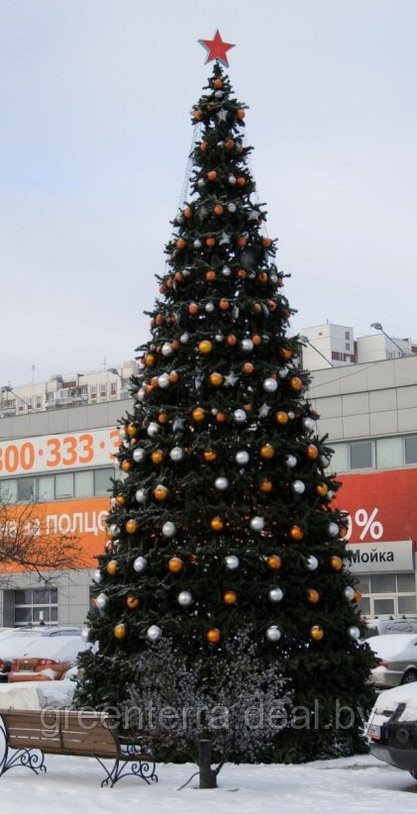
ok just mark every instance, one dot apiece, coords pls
pixel 409 676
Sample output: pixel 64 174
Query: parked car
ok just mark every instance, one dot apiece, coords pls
pixel 397 659
pixel 46 659
pixel 381 627
pixel 392 727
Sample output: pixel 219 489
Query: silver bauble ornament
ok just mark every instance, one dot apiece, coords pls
pixel 332 529
pixel 257 523
pixel 276 594
pixel 184 338
pixel 325 461
pixel 166 349
pixel 163 380
pixel 298 486
pixel 115 530
pixel 239 416
pixel 349 593
pixel 169 529
pixel 232 562
pixel 283 372
pixel 231 179
pixel 85 634
pixel 218 94
pixel 242 457
pixel 140 495
pixel 209 307
pixel 270 385
pixel 312 563
pixel 97 576
pixel 176 454
pixel 309 424
pixel 139 455
pixel 219 338
pixel 154 633
pixel 197 243
pixel 291 461
pixel 246 344
pixel 291 415
pixel 226 271
pixel 139 564
pixel 231 207
pixel 201 183
pixel 273 278
pixel 101 601
pixel 153 429
pixel 273 633
pixel 354 633
pixel 141 394
pixel 185 599
pixel 221 484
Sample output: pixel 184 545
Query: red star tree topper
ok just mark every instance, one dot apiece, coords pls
pixel 217 49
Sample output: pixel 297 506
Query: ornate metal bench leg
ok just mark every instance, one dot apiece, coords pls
pixel 112 775
pixel 31 759
pixel 137 768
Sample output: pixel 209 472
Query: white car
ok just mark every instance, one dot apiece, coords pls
pixel 392 727
pixel 397 659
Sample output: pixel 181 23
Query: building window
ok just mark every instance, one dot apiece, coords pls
pixel 35 605
pixel 103 391
pixel 39 402
pixel 26 490
pixel 407 604
pixel 113 389
pixel 383 584
pixel 8 490
pixel 84 483
pixel 389 452
pixel 93 391
pixel 411 449
pixel 64 485
pixel 102 483
pixel 46 488
pixel 347 335
pixel 340 458
pixel 361 455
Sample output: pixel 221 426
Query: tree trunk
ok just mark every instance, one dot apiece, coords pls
pixel 208 777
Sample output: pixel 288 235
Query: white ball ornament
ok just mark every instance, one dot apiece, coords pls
pixel 332 529
pixel 276 594
pixel 184 338
pixel 153 429
pixel 201 183
pixel 298 486
pixel 232 562
pixel 354 633
pixel 226 271
pixel 176 454
pixel 273 633
pixel 246 344
pixel 283 372
pixel 139 565
pixel 239 416
pixel 209 307
pixel 169 529
pixel 257 523
pixel 139 455
pixel 231 179
pixel 231 207
pixel 115 530
pixel 154 633
pixel 166 349
pixel 197 243
pixel 141 394
pixel 221 484
pixel 291 461
pixel 218 94
pixel 163 380
pixel 242 457
pixel 97 576
pixel 85 634
pixel 140 495
pixel 309 424
pixel 312 563
pixel 270 385
pixel 219 338
pixel 291 415
pixel 101 601
pixel 185 599
pixel 349 593
pixel 325 461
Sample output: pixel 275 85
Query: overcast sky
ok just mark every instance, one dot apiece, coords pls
pixel 94 137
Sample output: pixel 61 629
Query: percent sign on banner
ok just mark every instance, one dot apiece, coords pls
pixel 365 521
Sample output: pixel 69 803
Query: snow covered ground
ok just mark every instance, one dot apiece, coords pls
pixel 347 785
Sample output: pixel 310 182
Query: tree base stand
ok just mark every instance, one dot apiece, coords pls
pixel 208 776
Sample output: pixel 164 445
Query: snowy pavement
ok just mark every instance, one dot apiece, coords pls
pixel 360 784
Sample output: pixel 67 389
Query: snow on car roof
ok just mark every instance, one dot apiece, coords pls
pixel 60 648
pixel 389 699
pixel 393 644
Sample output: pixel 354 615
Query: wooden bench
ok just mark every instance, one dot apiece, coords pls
pixel 31 734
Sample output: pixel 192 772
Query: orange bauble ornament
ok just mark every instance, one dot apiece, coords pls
pixel 161 492
pixel 112 567
pixel 120 631
pixel 240 114
pixel 241 241
pixel 274 562
pixel 210 242
pixel 267 451
pixel 181 243
pixel 213 635
pixel 336 563
pixel 150 359
pixel 188 213
pixel 210 455
pixel 229 144
pixel 198 114
pixel 281 417
pixel 212 175
pixel 175 344
pixel 231 340
pixel 132 602
pixel 312 452
pixel 199 414
pixel 173 377
pixel 266 242
pixel 157 456
pixel 216 379
pixel 217 84
pixel 286 353
pixel 343 531
pixel 205 346
pixel 358 597
pixel 221 417
pixel 126 465
pixel 218 209
pixel 296 533
pixel 224 305
pixel 217 524
pixel 322 489
pixel 256 339
pixel 263 277
pixel 120 500
pixel 230 597
pixel 313 596
pixel 266 486
pixel 132 430
pixel 241 274
pixel 132 526
pixel 163 418
pixel 316 633
pixel 248 368
pixel 193 308
pixel 178 277
pixel 210 276
pixel 241 181
pixel 204 146
pixel 296 383
pixel 175 565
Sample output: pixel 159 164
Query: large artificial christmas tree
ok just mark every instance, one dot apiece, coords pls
pixel 223 522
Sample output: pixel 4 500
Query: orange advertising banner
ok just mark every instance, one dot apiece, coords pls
pixel 382 506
